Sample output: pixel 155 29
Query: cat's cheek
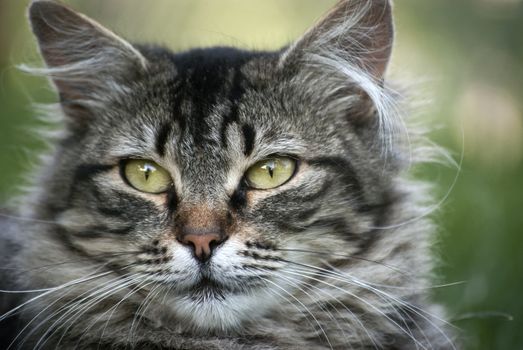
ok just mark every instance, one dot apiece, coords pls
pixel 103 246
pixel 227 256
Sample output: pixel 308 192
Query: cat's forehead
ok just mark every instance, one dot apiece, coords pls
pixel 204 94
pixel 218 74
pixel 214 109
pixel 216 62
pixel 208 99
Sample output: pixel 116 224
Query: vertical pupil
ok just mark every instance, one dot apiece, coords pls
pixel 270 168
pixel 147 170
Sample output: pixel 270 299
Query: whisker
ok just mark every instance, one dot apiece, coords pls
pixel 75 310
pixel 139 311
pixel 45 222
pixel 364 284
pixel 351 279
pixel 399 313
pixel 114 307
pixel 273 292
pixel 13 342
pixel 431 209
pixel 59 310
pixel 53 314
pixel 406 332
pixel 417 310
pixel 323 291
pixel 353 257
pixel 296 283
pixel 305 307
pixel 65 285
pixel 89 259
pixel 28 219
pixel 378 292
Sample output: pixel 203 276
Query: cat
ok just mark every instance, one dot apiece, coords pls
pixel 220 198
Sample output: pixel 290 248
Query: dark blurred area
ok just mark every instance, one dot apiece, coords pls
pixel 464 58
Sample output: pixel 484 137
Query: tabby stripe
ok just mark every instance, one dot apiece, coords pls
pixel 120 204
pixel 112 212
pixel 337 224
pixel 161 138
pixel 177 94
pixel 102 231
pixel 344 168
pixel 66 238
pixel 85 172
pixel 382 213
pixel 306 214
pixel 172 201
pixel 293 196
pixel 287 227
pixel 249 135
pixel 116 231
pixel 235 94
pixel 238 199
pixel 324 190
pixel 104 205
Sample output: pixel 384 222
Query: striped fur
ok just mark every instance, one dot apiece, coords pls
pixel 336 258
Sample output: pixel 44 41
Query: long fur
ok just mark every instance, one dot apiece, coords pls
pixel 339 257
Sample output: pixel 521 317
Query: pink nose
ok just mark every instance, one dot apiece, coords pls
pixel 200 228
pixel 202 244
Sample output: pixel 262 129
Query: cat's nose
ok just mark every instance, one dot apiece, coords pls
pixel 200 228
pixel 202 243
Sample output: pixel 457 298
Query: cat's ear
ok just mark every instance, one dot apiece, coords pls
pixel 86 61
pixel 357 31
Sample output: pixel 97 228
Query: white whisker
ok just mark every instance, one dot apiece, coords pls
pixel 305 307
pixel 371 306
pixel 51 290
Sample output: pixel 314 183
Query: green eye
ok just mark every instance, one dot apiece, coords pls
pixel 146 176
pixel 270 173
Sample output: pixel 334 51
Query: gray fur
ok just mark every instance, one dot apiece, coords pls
pixel 337 258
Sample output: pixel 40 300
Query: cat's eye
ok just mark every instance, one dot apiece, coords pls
pixel 146 176
pixel 271 172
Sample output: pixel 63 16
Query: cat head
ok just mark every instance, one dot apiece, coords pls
pixel 217 177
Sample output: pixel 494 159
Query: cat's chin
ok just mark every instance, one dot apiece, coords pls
pixel 210 309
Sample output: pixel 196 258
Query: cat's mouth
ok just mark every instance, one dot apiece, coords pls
pixel 209 288
pixel 213 304
pixel 206 286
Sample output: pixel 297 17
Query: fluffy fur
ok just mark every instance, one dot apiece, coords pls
pixel 336 258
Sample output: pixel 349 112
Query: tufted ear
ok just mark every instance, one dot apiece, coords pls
pixel 357 31
pixel 86 61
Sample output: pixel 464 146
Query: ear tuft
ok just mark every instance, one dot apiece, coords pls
pixel 358 31
pixel 56 25
pixel 84 59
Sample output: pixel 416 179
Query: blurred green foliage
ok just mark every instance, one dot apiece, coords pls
pixel 465 56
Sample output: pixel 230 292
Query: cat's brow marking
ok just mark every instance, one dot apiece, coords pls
pixel 87 171
pixel 249 137
pixel 162 137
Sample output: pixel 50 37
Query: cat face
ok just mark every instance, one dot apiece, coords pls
pixel 212 179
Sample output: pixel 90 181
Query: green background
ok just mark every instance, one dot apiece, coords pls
pixel 463 58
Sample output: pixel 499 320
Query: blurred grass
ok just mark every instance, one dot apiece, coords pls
pixel 466 56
